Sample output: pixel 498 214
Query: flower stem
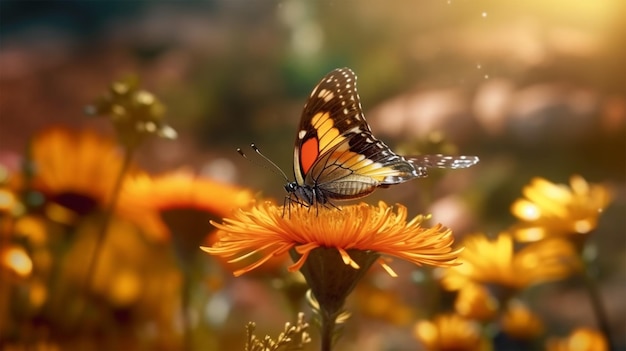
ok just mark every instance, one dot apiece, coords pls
pixel 186 305
pixel 108 215
pixel 327 329
pixel 597 304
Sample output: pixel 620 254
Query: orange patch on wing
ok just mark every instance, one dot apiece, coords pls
pixel 308 154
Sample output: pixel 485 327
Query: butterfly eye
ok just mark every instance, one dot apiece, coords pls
pixel 291 187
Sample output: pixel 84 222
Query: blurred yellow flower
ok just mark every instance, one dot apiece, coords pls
pixel 581 339
pixel 450 332
pixel 521 323
pixel 550 209
pixel 496 262
pixel 475 302
pixel 375 230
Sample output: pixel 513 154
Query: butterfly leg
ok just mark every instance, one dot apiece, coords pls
pixel 290 199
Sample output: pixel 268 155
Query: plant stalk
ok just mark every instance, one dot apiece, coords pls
pixel 327 330
pixel 108 216
pixel 597 304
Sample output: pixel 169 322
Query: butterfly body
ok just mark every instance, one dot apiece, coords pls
pixel 336 156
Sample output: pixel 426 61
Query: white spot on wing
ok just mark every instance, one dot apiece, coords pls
pixel 326 95
pixel 301 134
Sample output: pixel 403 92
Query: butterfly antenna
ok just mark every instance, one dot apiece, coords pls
pixel 274 165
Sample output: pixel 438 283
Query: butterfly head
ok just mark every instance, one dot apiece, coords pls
pixel 305 195
pixel 291 187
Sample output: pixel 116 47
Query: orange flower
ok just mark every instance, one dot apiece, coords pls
pixel 372 230
pixel 332 248
pixel 450 332
pixel 496 262
pixel 554 209
pixel 581 339
pixel 183 201
pixel 75 169
pixel 184 189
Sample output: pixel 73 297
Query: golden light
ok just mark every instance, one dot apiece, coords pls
pixel 16 259
pixel 32 228
pixel 526 210
pixel 125 288
pixel 533 233
pixel 583 226
pixel 7 200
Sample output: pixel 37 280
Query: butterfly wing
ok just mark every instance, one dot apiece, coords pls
pixel 423 162
pixel 335 150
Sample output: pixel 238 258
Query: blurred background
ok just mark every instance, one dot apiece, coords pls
pixel 533 88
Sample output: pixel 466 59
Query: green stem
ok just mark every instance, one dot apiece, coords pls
pixel 327 329
pixel 597 304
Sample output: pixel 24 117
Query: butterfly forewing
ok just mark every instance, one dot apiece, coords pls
pixel 337 157
pixel 336 94
pixel 335 148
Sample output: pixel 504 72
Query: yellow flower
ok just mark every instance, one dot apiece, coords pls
pixel 521 323
pixel 474 301
pixel 550 209
pixel 450 332
pixel 370 229
pixel 581 339
pixel 496 262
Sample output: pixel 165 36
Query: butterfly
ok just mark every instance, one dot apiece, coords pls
pixel 336 156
